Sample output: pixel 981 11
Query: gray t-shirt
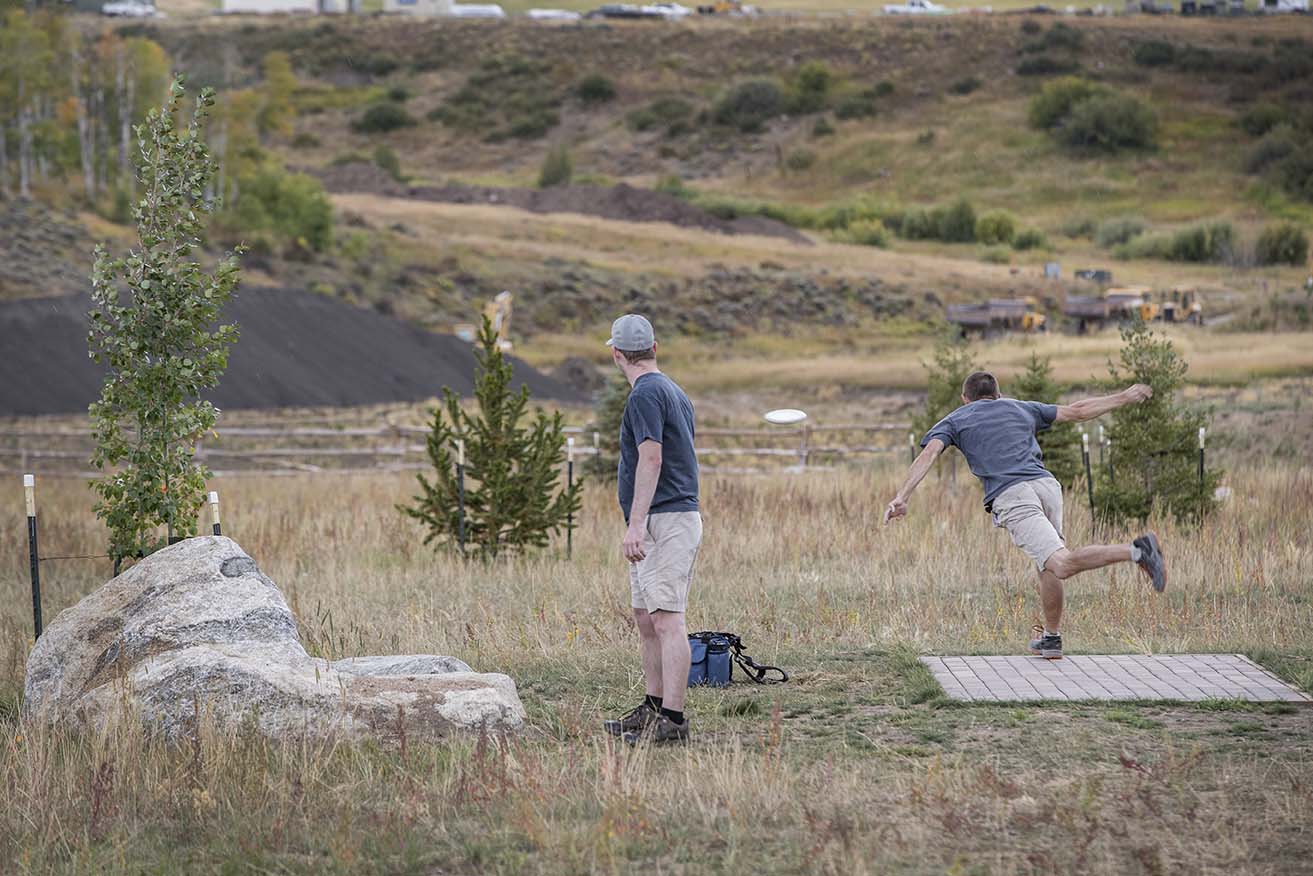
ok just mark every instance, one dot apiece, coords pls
pixel 658 410
pixel 997 436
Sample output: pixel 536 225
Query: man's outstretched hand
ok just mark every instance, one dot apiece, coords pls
pixel 1137 393
pixel 897 508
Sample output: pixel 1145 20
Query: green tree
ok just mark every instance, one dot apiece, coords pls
pixel 513 496
pixel 951 363
pixel 1061 442
pixel 155 326
pixel 608 412
pixel 557 169
pixel 279 85
pixel 1154 458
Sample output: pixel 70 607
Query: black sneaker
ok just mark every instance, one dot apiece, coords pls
pixel 1152 561
pixel 1047 646
pixel 662 731
pixel 635 720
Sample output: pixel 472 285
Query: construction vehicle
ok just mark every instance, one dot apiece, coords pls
pixel 1115 304
pixel 1182 304
pixel 1101 276
pixel 997 314
pixel 498 312
pixel 727 7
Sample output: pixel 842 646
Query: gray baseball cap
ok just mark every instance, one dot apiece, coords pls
pixel 631 333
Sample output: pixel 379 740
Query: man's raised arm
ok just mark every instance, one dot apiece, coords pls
pixel 1090 408
pixel 920 467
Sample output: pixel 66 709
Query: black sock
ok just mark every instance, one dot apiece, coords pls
pixel 653 703
pixel 677 717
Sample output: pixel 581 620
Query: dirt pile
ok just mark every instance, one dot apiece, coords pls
pixel 42 252
pixel 620 202
pixel 297 349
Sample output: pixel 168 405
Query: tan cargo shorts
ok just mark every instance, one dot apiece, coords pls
pixel 1031 512
pixel 661 581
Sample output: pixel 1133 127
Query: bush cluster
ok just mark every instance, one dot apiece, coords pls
pixel 865 232
pixel 1046 65
pixel 1090 117
pixel 1154 53
pixel 673 114
pixel 1115 232
pixel 595 89
pixel 508 97
pixel 996 227
pixel 1201 244
pixel 557 169
pixel 381 118
pixel 1284 244
pixel 291 207
pixel 748 106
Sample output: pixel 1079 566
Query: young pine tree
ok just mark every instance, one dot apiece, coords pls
pixel 608 412
pixel 1061 442
pixel 952 364
pixel 155 326
pixel 513 493
pixel 1155 451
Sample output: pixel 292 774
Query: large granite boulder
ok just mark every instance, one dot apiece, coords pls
pixel 198 625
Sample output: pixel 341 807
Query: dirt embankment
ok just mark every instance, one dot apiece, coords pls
pixel 42 252
pixel 297 349
pixel 620 202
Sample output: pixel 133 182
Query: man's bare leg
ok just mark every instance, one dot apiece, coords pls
pixel 675 657
pixel 1064 563
pixel 650 646
pixel 1050 598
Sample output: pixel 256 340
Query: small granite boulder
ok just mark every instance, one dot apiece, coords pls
pixel 199 625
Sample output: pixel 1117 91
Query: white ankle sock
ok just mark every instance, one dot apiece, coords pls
pixel 1049 632
pixel 1135 554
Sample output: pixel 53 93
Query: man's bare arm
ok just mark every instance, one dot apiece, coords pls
pixel 920 467
pixel 646 474
pixel 1091 408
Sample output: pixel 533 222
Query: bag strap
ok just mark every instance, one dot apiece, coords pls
pixel 757 672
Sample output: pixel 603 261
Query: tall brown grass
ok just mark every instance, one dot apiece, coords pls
pixel 840 771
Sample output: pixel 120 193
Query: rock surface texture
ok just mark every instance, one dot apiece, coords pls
pixel 198 625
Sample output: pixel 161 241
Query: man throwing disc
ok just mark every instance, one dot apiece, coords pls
pixel 997 437
pixel 658 480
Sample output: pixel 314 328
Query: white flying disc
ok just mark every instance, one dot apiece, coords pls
pixel 785 416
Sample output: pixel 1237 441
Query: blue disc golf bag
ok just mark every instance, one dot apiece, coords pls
pixel 709 653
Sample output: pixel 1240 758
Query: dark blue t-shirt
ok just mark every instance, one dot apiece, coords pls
pixel 997 436
pixel 658 410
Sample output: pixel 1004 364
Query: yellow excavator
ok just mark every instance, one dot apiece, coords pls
pixel 498 312
pixel 1182 304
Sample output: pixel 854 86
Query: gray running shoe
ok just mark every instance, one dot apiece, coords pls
pixel 663 731
pixel 1046 646
pixel 635 720
pixel 1152 561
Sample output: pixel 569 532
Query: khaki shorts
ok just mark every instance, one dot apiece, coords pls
pixel 661 581
pixel 1031 512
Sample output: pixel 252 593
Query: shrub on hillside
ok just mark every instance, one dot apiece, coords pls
pixel 1154 53
pixel 1200 244
pixel 1031 238
pixel 1079 226
pixel 856 106
pixel 1054 103
pixel 1118 231
pixel 822 128
pixel 800 159
pixel 1046 65
pixel 1297 174
pixel 809 91
pixel 1258 120
pixel 508 97
pixel 398 94
pixel 1275 147
pixel 866 232
pixel 749 105
pixel 957 224
pixel 996 227
pixel 594 89
pixel 557 168
pixel 1064 36
pixel 382 118
pixel 1284 244
pixel 1030 27
pixel 884 88
pixel 917 224
pixel 386 158
pixel 670 113
pixel 1110 123
pixel 966 85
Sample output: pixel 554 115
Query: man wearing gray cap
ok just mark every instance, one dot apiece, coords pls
pixel 658 480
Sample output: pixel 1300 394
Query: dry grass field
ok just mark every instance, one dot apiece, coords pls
pixel 857 765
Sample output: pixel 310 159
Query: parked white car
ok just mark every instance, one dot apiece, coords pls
pixel 477 10
pixel 130 9
pixel 916 7
pixel 672 11
pixel 553 15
